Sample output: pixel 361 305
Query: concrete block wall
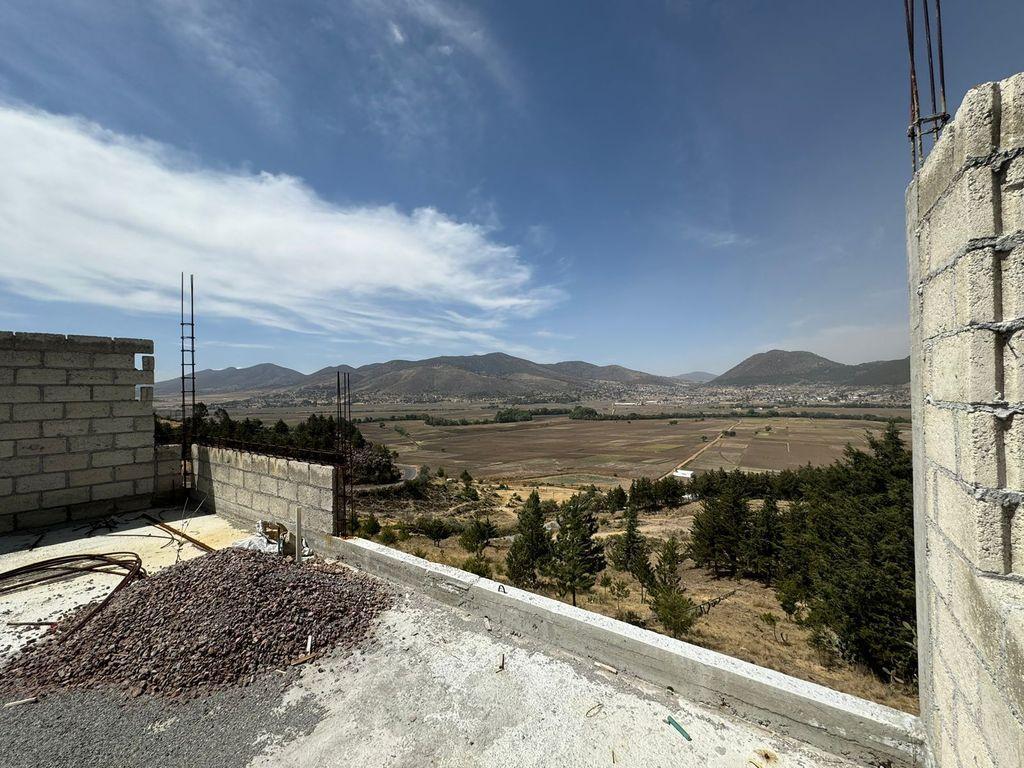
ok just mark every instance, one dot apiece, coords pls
pixel 250 486
pixel 76 427
pixel 965 235
pixel 166 471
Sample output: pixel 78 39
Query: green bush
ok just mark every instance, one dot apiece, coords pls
pixel 477 564
pixel 676 611
pixel 436 529
pixel 477 534
pixel 631 617
pixel 369 526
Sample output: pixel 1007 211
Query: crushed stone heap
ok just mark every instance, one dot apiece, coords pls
pixel 207 623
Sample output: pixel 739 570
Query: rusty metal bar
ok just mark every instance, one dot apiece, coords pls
pixel 175 532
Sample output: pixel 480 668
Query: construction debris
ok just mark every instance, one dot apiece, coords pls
pixel 215 621
pixel 675 724
pixel 55 569
pixel 175 532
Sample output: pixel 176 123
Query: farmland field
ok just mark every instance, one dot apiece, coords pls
pixel 557 450
pixel 560 451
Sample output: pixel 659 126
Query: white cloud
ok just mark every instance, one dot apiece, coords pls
pixel 396 33
pixel 94 217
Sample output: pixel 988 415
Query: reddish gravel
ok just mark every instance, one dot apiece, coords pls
pixel 205 624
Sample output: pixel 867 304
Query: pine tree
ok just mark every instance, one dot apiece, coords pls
pixel 577 556
pixel 616 499
pixel 630 547
pixel 719 530
pixel 675 610
pixel 519 565
pixel 531 548
pixel 477 535
pixel 763 542
pixel 670 558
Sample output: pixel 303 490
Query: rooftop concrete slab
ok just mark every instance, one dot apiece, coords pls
pixel 437 685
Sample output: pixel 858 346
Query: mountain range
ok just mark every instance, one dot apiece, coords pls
pixel 491 375
pixel 500 375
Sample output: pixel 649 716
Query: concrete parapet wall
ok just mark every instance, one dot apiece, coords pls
pixel 965 235
pixel 835 721
pixel 76 427
pixel 250 486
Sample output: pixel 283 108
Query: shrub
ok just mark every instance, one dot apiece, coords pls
pixel 370 526
pixel 434 528
pixel 676 611
pixel 477 535
pixel 631 617
pixel 478 565
pixel 388 537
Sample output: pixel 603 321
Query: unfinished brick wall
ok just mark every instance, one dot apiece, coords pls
pixel 250 486
pixel 76 441
pixel 167 471
pixel 965 235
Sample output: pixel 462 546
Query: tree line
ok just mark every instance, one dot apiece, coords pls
pixel 840 555
pixel 585 413
pixel 372 463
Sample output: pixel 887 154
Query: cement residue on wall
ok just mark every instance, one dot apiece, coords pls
pixel 965 221
pixel 76 427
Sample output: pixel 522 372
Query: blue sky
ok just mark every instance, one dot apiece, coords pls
pixel 666 185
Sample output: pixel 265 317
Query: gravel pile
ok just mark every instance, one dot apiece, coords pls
pixel 205 624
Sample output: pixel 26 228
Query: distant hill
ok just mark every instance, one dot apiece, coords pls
pixel 255 377
pixel 696 377
pixel 779 366
pixel 491 375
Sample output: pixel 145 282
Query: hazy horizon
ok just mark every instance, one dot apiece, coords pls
pixel 308 371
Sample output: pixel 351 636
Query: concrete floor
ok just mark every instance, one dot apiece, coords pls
pixel 427 690
pixel 429 693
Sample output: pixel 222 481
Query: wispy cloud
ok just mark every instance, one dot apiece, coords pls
pixel 234 344
pixel 419 69
pixel 716 238
pixel 396 33
pixel 545 334
pixel 221 37
pixel 91 216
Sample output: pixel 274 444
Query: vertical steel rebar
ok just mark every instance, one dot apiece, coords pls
pixel 933 123
pixel 931 63
pixel 942 64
